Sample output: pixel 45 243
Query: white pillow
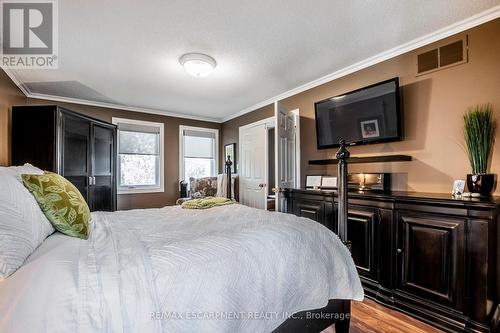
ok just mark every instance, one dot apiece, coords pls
pixel 23 226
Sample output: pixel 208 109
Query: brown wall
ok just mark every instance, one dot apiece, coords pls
pixel 230 128
pixel 9 95
pixel 433 109
pixel 125 201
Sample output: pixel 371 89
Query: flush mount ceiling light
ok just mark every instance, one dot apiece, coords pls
pixel 198 64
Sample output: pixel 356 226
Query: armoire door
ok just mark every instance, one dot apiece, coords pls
pixel 431 257
pixel 103 164
pixel 74 155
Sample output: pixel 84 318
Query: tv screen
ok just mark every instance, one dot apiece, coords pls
pixel 367 115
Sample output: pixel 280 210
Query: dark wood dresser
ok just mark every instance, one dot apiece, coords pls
pixel 428 255
pixel 80 148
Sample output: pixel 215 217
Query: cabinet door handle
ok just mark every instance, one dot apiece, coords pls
pixel 399 251
pixel 90 180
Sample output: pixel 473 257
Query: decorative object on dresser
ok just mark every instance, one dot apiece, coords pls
pixel 80 148
pixel 479 132
pixel 328 182
pixel 458 187
pixel 370 181
pixel 313 181
pixel 428 255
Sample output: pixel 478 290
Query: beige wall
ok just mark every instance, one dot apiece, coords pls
pixel 433 109
pixel 9 95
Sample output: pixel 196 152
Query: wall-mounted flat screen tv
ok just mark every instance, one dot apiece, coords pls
pixel 368 115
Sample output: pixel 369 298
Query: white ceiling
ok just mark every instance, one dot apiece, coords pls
pixel 126 52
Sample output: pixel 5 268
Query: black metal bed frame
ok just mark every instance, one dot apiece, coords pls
pixel 337 311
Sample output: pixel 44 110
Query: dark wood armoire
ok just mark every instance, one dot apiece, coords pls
pixel 80 148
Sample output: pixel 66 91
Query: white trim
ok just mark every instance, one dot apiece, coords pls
pixel 16 81
pixel 181 148
pixel 296 114
pixel 270 122
pixel 151 189
pixel 448 31
pixel 122 107
pixel 79 101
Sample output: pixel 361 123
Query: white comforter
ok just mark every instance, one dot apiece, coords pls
pixel 225 269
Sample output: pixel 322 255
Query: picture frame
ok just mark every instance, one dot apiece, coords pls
pixel 329 182
pixel 370 128
pixel 230 150
pixel 313 181
pixel 458 187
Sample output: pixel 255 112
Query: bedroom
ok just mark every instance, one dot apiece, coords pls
pixel 121 88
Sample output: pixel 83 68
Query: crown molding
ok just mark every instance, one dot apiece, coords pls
pixel 16 81
pixel 54 98
pixel 122 107
pixel 435 36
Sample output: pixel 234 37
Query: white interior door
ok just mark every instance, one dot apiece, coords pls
pixel 253 166
pixel 285 153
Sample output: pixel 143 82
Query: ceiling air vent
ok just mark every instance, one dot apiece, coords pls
pixel 445 56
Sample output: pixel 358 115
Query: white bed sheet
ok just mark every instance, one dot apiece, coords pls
pixel 226 269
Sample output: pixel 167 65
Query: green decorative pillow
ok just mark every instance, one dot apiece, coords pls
pixel 61 202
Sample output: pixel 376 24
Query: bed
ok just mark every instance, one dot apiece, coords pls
pixel 226 269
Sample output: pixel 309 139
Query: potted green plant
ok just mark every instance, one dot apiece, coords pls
pixel 479 132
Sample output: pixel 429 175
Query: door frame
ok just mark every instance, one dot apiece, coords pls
pixel 271 122
pixel 296 113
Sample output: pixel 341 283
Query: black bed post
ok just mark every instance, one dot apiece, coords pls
pixel 342 155
pixel 228 172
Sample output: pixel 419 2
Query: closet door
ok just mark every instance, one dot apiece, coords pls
pixel 74 158
pixel 102 189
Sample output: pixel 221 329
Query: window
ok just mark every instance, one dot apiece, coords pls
pixel 199 153
pixel 140 156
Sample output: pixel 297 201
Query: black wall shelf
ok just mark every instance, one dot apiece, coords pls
pixel 365 159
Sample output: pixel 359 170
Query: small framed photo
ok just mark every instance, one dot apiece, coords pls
pixel 370 129
pixel 458 187
pixel 313 181
pixel 329 182
pixel 230 151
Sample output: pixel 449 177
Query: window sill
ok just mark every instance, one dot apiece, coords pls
pixel 140 190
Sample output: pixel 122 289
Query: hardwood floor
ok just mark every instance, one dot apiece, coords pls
pixel 370 317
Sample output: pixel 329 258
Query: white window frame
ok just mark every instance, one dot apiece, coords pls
pixel 148 189
pixel 182 128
